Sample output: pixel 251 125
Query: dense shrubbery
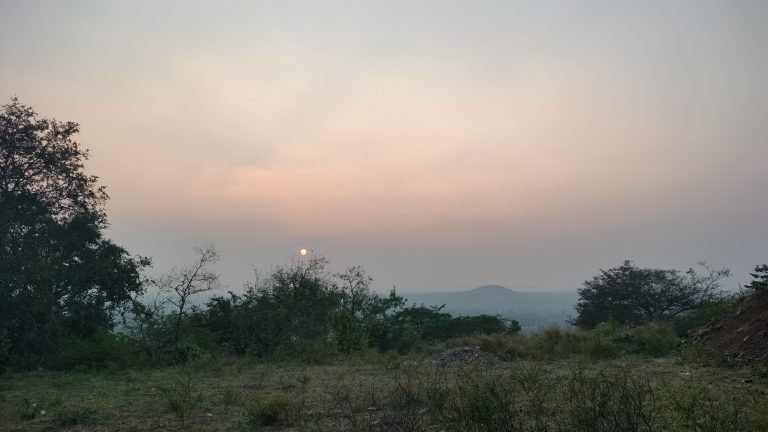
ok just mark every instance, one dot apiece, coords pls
pixel 299 311
pixel 300 308
pixel 607 341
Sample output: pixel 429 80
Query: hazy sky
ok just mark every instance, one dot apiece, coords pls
pixel 440 144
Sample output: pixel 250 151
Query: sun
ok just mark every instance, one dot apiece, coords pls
pixel 303 252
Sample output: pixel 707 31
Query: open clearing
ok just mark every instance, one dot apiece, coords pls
pixel 385 393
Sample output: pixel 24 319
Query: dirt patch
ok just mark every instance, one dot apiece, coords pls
pixel 741 334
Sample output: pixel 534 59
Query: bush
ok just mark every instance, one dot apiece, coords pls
pixel 654 339
pixel 103 350
pixel 599 347
pixel 611 400
pixel 702 316
pixel 696 408
pixel 181 395
pixel 71 416
pixel 316 352
pixel 484 402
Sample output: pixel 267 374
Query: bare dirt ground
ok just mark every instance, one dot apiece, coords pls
pixel 742 335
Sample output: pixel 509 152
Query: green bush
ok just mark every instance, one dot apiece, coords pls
pixel 694 407
pixel 599 347
pixel 28 409
pixel 654 339
pixel 611 400
pixel 103 350
pixel 180 394
pixel 485 402
pixel 316 352
pixel 701 316
pixel 71 416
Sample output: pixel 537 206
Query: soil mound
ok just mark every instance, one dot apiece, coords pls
pixel 741 334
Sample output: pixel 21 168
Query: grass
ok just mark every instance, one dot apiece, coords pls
pixel 368 394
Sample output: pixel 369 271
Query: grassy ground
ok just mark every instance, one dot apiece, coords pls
pixel 385 393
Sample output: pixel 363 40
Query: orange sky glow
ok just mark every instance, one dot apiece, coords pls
pixel 442 145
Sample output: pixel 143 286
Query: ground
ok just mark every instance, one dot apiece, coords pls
pixel 381 393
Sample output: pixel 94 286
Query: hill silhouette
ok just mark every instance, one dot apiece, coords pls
pixel 489 289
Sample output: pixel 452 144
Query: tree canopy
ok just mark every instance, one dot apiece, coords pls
pixel 760 277
pixel 59 276
pixel 631 295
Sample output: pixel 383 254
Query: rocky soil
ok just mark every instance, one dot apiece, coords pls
pixel 742 335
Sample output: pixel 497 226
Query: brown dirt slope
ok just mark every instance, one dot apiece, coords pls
pixel 741 334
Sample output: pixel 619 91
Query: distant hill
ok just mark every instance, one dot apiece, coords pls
pixel 489 289
pixel 534 310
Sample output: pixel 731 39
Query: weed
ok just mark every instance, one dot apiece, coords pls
pixel 230 397
pixel 71 416
pixel 611 400
pixel 28 409
pixel 654 339
pixel 181 395
pixel 760 372
pixel 695 407
pixel 271 411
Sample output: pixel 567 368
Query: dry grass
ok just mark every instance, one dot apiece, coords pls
pixel 237 394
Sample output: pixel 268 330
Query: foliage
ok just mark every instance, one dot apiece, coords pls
pixel 182 283
pixel 149 327
pixel 271 411
pixel 760 277
pixel 632 295
pixel 403 329
pixel 300 307
pixel 59 277
pixel 608 341
pixel 611 400
pixel 181 394
pixel 103 350
pixel 702 316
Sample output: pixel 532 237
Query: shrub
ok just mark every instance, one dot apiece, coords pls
pixel 317 352
pixel 694 407
pixel 181 395
pixel 186 351
pixel 702 316
pixel 28 409
pixel 655 339
pixel 611 400
pixel 71 416
pixel 104 349
pixel 597 345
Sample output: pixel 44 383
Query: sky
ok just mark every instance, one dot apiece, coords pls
pixel 442 145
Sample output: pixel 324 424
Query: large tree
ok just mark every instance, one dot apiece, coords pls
pixel 59 276
pixel 631 295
